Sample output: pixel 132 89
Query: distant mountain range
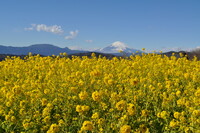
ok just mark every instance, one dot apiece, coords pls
pixel 109 52
pixel 42 49
pixel 48 49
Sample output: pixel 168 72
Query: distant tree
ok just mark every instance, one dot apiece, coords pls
pixel 196 52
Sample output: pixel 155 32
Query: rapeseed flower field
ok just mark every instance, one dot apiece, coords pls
pixel 141 94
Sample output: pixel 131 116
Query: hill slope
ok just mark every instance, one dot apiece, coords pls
pixel 43 49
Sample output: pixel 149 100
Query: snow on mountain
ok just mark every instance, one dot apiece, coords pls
pixel 116 47
pixel 119 45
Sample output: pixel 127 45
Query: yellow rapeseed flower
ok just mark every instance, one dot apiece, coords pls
pixel 54 128
pixel 87 126
pixel 95 115
pixel 173 123
pixel 177 115
pixel 164 114
pixel 96 96
pixel 196 113
pixel 85 108
pixel 79 108
pixel 125 129
pixel 145 113
pixel 83 95
pixel 131 109
pixel 121 105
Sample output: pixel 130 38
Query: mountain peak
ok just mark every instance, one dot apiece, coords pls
pixel 119 45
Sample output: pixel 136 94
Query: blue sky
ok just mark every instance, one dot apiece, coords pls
pixel 150 24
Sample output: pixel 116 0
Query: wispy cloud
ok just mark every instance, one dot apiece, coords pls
pixel 42 27
pixel 72 35
pixel 89 41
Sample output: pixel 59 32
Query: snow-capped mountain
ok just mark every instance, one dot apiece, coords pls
pixel 116 47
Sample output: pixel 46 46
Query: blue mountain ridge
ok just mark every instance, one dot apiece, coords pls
pixel 49 49
pixel 42 49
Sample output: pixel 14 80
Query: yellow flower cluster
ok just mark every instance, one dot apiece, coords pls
pixel 142 93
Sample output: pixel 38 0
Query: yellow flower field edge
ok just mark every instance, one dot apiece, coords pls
pixel 141 94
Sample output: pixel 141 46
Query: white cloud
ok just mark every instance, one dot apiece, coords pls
pixel 89 41
pixel 72 35
pixel 53 29
pixel 42 27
